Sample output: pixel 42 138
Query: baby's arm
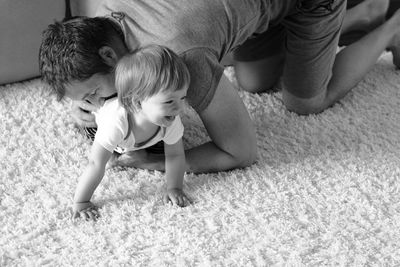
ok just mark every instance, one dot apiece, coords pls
pixel 175 165
pixel 89 181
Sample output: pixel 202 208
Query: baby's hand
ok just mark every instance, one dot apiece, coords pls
pixel 87 210
pixel 177 197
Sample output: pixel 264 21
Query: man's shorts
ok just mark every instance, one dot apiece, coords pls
pixel 308 37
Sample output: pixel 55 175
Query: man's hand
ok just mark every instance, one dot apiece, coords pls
pixel 81 111
pixel 177 197
pixel 87 210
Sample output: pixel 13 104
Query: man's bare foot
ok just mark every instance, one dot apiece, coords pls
pixel 395 49
pixel 394 46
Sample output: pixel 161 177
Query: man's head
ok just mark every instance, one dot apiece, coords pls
pixel 77 51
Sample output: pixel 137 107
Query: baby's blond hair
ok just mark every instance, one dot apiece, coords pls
pixel 146 72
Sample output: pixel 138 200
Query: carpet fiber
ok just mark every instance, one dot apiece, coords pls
pixel 324 191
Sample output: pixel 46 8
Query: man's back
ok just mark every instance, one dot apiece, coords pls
pixel 219 25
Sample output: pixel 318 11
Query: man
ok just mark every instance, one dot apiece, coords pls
pixel 82 53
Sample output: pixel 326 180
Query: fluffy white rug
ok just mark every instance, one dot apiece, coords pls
pixel 325 189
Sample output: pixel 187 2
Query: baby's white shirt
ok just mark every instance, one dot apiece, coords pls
pixel 113 127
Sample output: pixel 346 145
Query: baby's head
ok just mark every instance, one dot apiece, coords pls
pixel 146 72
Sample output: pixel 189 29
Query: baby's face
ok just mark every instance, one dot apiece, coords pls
pixel 162 108
pixel 94 90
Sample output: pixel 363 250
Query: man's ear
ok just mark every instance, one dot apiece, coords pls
pixel 108 55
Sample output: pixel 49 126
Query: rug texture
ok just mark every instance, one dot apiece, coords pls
pixel 325 190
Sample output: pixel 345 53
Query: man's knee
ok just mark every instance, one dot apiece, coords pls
pixel 254 82
pixel 259 76
pixel 305 106
pixel 249 160
pixel 246 154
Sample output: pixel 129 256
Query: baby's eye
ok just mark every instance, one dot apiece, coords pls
pixel 183 98
pixel 169 102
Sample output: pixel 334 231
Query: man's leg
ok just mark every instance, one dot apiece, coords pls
pixel 232 133
pixel 260 75
pixel 348 68
pixel 259 61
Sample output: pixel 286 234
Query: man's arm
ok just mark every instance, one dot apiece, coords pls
pixel 233 139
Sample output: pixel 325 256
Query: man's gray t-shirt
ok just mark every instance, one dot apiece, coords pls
pixel 200 31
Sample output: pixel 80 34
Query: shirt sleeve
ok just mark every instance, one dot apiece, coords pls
pixel 111 128
pixel 205 74
pixel 174 132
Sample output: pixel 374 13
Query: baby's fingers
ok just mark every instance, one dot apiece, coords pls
pixel 166 199
pixel 92 216
pixel 75 215
pixel 95 212
pixel 180 201
pixel 84 215
pixel 174 200
pixel 187 201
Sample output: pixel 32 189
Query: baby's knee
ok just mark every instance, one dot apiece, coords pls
pixel 246 155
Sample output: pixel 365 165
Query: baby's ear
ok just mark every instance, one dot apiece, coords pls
pixel 108 55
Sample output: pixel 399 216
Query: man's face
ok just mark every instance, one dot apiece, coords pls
pixel 94 90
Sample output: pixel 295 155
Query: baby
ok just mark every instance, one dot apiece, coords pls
pixel 152 83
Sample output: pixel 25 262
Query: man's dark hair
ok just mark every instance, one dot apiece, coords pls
pixel 69 50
